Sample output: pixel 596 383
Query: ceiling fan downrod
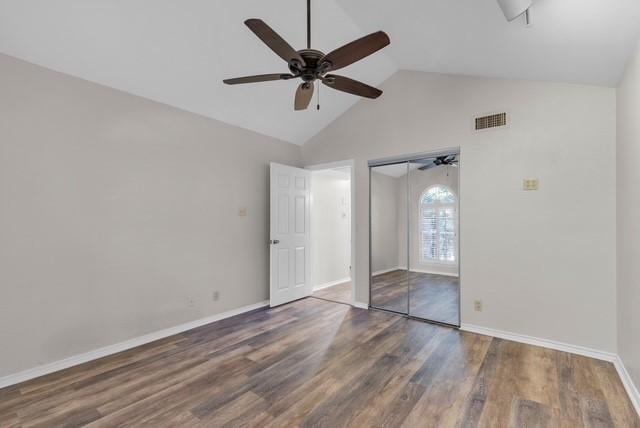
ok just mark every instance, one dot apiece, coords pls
pixel 308 24
pixel 311 65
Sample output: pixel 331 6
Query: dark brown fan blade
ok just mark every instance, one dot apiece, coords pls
pixel 274 41
pixel 356 50
pixel 258 78
pixel 303 95
pixel 351 86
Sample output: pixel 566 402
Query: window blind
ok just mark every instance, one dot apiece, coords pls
pixel 438 226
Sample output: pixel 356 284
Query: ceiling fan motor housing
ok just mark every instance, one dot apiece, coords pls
pixel 312 69
pixel 310 65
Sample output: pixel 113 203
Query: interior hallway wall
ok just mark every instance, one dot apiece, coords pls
pixel 628 211
pixel 330 226
pixel 543 263
pixel 119 216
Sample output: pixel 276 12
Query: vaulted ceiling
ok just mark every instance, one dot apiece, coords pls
pixel 178 52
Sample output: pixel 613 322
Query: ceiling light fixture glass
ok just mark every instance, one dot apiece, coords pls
pixel 515 8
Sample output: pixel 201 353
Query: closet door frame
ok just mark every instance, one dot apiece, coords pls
pixel 408 159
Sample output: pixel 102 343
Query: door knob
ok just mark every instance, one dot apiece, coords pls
pixel 274 242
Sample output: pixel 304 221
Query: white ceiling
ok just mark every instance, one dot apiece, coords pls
pixel 576 41
pixel 178 52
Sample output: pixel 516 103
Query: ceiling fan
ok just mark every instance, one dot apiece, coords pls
pixel 449 160
pixel 311 65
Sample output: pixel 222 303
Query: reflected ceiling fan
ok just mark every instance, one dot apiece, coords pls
pixel 311 65
pixel 449 160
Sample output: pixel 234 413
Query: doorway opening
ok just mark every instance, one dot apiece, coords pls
pixel 331 232
pixel 414 237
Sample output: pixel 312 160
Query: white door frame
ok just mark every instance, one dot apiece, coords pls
pixel 341 164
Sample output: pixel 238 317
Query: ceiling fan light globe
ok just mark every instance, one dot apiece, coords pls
pixel 514 8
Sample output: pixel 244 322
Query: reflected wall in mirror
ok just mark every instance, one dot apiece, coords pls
pixel 414 238
pixel 389 276
pixel 434 284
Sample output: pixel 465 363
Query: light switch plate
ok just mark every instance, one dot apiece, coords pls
pixel 530 184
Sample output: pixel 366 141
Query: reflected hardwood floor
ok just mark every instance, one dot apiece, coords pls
pixel 322 364
pixel 340 293
pixel 433 297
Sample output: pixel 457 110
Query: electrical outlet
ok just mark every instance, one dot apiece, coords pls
pixel 215 296
pixel 530 184
pixel 477 305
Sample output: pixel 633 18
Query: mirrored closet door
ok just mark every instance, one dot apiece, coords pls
pixel 389 275
pixel 415 238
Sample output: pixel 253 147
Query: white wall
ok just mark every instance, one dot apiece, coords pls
pixel 115 210
pixel 628 179
pixel 543 263
pixel 330 226
pixel 384 223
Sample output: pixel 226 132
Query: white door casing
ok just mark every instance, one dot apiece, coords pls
pixel 290 277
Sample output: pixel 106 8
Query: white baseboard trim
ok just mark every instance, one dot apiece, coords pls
pixel 330 284
pixel 360 305
pixel 431 271
pixel 75 360
pixel 434 272
pixel 380 272
pixel 545 343
pixel 629 386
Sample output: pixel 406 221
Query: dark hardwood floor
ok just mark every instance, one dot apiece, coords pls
pixel 433 297
pixel 318 363
pixel 340 293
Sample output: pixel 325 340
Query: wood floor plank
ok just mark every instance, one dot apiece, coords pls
pixel 612 386
pixel 323 364
pixel 340 293
pixel 449 385
pixel 433 297
pixel 530 414
pixel 478 396
pixel 505 386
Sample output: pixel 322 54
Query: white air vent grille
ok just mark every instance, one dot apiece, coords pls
pixel 492 121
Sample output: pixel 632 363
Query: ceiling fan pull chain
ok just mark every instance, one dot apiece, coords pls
pixel 318 106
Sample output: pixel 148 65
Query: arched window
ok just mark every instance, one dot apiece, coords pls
pixel 438 225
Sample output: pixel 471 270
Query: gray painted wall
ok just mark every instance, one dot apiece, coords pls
pixel 543 263
pixel 385 211
pixel 628 174
pixel 115 211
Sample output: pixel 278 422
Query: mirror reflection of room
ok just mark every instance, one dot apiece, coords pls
pixel 389 279
pixel 414 238
pixel 433 240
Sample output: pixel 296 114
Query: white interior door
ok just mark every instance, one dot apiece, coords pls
pixel 290 237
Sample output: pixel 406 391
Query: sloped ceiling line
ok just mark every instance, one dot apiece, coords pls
pixel 178 53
